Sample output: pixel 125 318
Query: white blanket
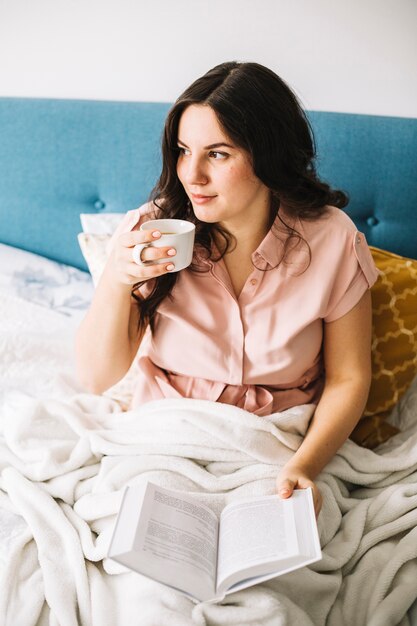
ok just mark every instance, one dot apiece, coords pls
pixel 66 458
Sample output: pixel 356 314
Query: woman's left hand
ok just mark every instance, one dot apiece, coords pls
pixel 293 477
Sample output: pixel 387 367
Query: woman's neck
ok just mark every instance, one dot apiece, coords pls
pixel 248 236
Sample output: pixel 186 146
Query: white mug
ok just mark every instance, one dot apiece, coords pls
pixel 178 234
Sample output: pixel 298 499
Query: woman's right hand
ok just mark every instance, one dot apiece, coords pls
pixel 122 266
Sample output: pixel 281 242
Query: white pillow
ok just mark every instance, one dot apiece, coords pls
pixel 94 250
pixel 100 223
pixel 97 231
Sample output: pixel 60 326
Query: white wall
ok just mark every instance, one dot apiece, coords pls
pixel 338 55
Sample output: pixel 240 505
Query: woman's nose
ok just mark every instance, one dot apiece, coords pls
pixel 195 173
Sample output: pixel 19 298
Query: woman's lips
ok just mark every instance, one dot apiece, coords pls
pixel 201 199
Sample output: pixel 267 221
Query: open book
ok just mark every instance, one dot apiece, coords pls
pixel 170 537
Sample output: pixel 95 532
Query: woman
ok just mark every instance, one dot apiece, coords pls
pixel 275 310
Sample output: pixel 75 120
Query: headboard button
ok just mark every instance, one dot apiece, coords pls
pixel 372 221
pixel 99 205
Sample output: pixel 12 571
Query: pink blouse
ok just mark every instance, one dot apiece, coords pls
pixel 261 351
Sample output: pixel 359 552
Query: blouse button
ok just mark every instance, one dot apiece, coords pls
pixel 358 239
pixel 253 281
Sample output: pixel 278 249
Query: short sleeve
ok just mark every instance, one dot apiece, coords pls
pixel 356 273
pixel 133 221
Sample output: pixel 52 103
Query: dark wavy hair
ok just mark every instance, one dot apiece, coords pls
pixel 261 115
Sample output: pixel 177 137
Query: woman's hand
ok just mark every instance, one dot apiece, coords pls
pixel 125 270
pixel 293 477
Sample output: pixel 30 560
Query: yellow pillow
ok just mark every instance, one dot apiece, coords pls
pixel 394 343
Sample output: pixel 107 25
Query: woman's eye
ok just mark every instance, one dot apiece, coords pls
pixel 219 155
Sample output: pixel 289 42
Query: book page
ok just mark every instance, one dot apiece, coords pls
pixel 253 533
pixel 176 541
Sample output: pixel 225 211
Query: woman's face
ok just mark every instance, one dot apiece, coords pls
pixel 217 176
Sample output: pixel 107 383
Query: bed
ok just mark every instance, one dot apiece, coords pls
pixel 67 455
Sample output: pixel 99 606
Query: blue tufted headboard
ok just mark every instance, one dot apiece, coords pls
pixel 60 158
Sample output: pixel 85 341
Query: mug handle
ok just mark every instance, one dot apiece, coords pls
pixel 137 252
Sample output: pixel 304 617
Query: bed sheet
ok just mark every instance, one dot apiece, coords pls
pixel 37 374
pixel 46 283
pixel 41 305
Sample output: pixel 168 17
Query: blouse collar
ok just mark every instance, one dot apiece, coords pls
pixel 271 248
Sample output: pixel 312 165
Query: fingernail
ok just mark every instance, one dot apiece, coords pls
pixel 283 492
pixel 170 267
pixel 156 233
pixel 171 252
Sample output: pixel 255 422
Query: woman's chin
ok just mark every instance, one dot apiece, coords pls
pixel 205 216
